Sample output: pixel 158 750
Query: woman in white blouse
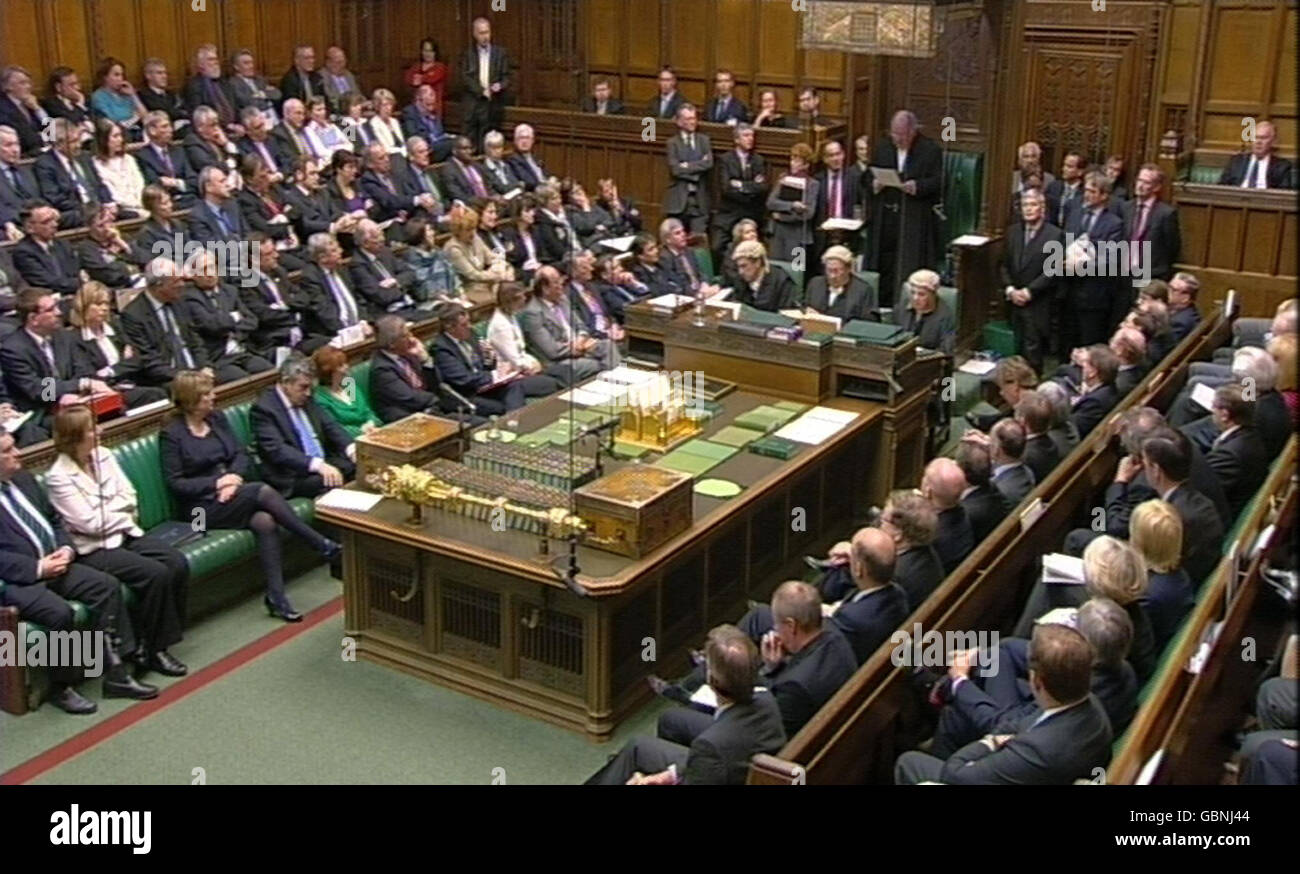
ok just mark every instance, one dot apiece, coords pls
pixel 384 126
pixel 323 135
pixel 507 342
pixel 99 508
pixel 118 170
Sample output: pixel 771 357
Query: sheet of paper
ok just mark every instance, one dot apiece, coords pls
pixel 809 430
pixel 628 375
pixel 829 414
pixel 583 398
pixel 13 424
pixel 887 177
pixel 969 240
pixel 705 697
pixel 1203 395
pixel 731 307
pixel 1067 616
pixel 978 366
pixel 349 336
pixel 842 224
pixel 671 301
pixel 1060 568
pixel 618 244
pixel 349 499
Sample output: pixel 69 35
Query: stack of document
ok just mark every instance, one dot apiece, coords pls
pixel 1062 569
pixel 817 426
pixel 349 499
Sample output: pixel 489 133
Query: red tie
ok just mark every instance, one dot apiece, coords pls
pixel 409 372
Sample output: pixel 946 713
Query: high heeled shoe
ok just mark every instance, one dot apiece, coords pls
pixel 287 613
pixel 331 550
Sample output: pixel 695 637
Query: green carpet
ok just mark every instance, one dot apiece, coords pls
pixel 300 714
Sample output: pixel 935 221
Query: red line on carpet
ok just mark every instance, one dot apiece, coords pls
pixel 114 725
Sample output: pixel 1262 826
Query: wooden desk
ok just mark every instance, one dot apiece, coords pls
pixel 458 604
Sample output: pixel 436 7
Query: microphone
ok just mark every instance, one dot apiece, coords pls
pixel 459 398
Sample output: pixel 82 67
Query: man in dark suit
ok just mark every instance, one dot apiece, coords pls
pixel 837 292
pixel 1183 315
pixel 402 373
pixel 302 450
pixel 1166 463
pixel 1260 167
pixel 1034 412
pixel 18 185
pixel 396 196
pixel 837 195
pixel 207 88
pixel 311 212
pixel 527 166
pixel 215 311
pixel 1011 476
pixel 1094 397
pixel 275 301
pixel 906 236
pixel 1029 290
pixel 20 111
pixel 723 107
pixel 1064 738
pixel 67 178
pixel 164 163
pixel 461 365
pixel 11 285
pixel 868 614
pixel 383 282
pixel 984 505
pixel 602 101
pixel 690 158
pixel 258 140
pixel 105 255
pixel 216 217
pixel 156 328
pixel 1238 455
pixel 1130 347
pixel 743 189
pixel 485 75
pixel 911 521
pixel 1151 228
pixel 302 81
pixel 290 133
pixel 251 90
pixel 942 485
pixel 332 304
pixel 666 103
pixel 461 178
pixel 40 567
pixel 38 361
pixel 1093 286
pixel 156 96
pixel 206 143
pixel 67 100
pixel 1065 194
pixel 44 260
pixel 718 753
pixel 421 119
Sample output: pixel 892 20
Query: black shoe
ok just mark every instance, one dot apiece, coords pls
pixel 671 691
pixel 167 664
pixel 287 613
pixel 331 550
pixel 69 700
pixel 126 686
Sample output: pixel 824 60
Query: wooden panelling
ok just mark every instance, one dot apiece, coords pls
pixel 1180 60
pixel 1232 81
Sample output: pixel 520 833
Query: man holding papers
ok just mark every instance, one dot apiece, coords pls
pixel 460 364
pixel 907 175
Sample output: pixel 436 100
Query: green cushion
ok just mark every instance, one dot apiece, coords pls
pixel 999 338
pixel 796 275
pixel 704 262
pixel 963 181
pixel 949 295
pixel 1204 175
pixel 237 416
pixel 361 372
pixel 142 463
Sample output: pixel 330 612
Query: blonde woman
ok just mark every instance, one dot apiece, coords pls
pixel 1114 569
pixel 1156 531
pixel 476 265
pixel 384 126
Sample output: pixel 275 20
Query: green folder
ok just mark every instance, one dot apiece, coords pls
pixel 793 406
pixel 687 463
pixel 734 436
pixel 765 418
pixel 775 447
pixel 763 317
pixel 627 451
pixel 718 451
pixel 874 332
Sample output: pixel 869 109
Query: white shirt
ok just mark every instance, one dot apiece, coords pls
pixel 507 340
pixel 485 66
pixel 1261 175
pixel 106 346
pixel 121 176
pixel 902 160
pixel 98 506
pixel 389 133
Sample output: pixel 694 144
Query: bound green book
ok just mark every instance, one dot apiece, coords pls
pixel 878 333
pixel 766 418
pixel 763 317
pixel 775 447
pixel 734 436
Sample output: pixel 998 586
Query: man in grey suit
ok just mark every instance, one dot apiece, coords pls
pixel 1067 736
pixel 549 324
pixel 690 159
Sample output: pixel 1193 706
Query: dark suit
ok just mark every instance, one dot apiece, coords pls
pixel 61 191
pixel 277 311
pixel 158 351
pixel 1062 201
pixel 392 194
pixel 906 230
pixel 46 601
pixel 1161 231
pixel 367 279
pixel 311 213
pixel 953 538
pixel 718 755
pixel 153 167
pixel 687 197
pixel 986 507
pixel 1064 747
pixel 499 176
pixel 1091 408
pixel 846 196
pixel 482 114
pixel 280 161
pixel 26 370
pixel 742 195
pixel 867 619
pixel 56 268
pixel 89 359
pixel 14 199
pixel 613 106
pixel 205 227
pixel 1014 483
pixel 470 376
pixel 323 317
pixel 1241 464
pixel 203 154
pixel 392 397
pixel 104 265
pixel 936 329
pixel 163 101
pixel 1182 322
pixel 1202 531
pixel 718 113
pixel 456 181
pixel 1024 266
pixel 806 680
pixel 288 143
pixel 216 94
pixel 291 85
pixel 525 172
pixel 283 458
pixel 259 213
pixel 1041 456
pixel 657 109
pixel 27 123
pixel 776 291
pixel 154 239
pixel 255 92
pixel 856 300
pixel 56 107
pixel 918 572
pixel 11 285
pixel 1280 172
pixel 218 317
pixel 1092 301
pixel 1127 378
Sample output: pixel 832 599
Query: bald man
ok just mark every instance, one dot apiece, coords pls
pixel 942 484
pixel 906 236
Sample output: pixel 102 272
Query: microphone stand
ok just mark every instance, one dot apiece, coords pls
pixel 466 409
pixel 596 431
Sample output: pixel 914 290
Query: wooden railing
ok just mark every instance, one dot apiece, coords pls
pixel 858 734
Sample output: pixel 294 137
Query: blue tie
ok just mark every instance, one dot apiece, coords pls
pixel 306 436
pixel 221 219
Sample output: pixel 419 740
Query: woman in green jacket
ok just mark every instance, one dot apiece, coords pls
pixel 343 397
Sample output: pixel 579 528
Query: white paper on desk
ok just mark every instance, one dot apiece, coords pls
pixel 145 409
pixel 808 430
pixel 977 366
pixel 1062 569
pixel 583 398
pixel 349 336
pixel 628 375
pixel 829 414
pixel 671 301
pixel 887 177
pixel 969 240
pixel 730 306
pixel 1202 654
pixel 618 244
pixel 13 424
pixel 349 499
pixel 842 224
pixel 1203 395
